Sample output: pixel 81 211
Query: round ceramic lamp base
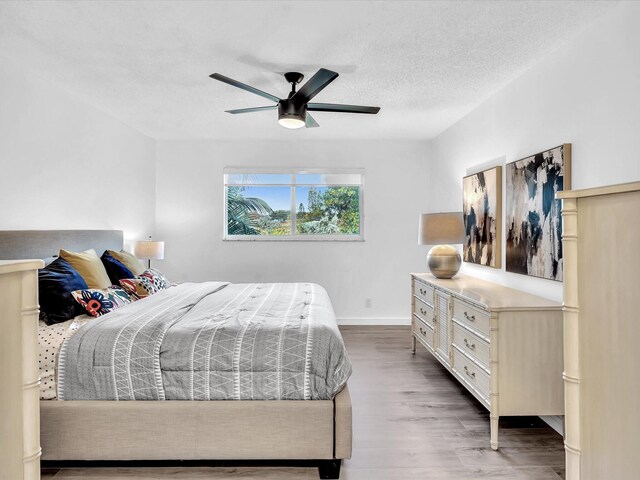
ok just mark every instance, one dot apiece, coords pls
pixel 444 261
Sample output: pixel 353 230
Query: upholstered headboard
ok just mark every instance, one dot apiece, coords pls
pixel 19 244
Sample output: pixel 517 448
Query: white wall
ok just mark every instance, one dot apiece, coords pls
pixel 65 164
pixel 190 221
pixel 586 93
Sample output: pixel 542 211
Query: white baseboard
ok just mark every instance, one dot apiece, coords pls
pixel 554 421
pixel 374 321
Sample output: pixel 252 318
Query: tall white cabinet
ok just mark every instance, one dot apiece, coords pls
pixel 503 345
pixel 601 238
pixel 19 380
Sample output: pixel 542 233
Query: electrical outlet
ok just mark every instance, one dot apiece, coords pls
pixel 368 303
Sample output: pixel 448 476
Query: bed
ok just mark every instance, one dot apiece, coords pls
pixel 182 417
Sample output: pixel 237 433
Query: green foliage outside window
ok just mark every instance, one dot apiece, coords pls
pixel 334 211
pixel 244 213
pixel 326 210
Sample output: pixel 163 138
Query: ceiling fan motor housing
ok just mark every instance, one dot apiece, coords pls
pixel 294 111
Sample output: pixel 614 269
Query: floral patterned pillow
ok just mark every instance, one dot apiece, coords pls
pixel 158 279
pixel 139 287
pixel 98 302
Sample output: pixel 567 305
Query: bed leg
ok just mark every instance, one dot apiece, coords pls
pixel 329 468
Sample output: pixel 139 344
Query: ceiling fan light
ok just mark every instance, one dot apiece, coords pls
pixel 289 121
pixel 291 115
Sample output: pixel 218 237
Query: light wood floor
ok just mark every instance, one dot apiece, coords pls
pixel 411 420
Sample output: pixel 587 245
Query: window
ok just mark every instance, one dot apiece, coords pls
pixel 293 205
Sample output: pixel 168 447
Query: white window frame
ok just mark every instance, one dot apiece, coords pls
pixel 293 172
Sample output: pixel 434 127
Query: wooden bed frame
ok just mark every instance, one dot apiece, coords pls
pixel 318 431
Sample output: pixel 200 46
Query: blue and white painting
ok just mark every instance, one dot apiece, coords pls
pixel 533 218
pixel 481 211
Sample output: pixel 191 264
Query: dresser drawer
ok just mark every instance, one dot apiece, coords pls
pixel 424 311
pixel 423 291
pixel 473 317
pixel 472 345
pixel 423 330
pixel 471 374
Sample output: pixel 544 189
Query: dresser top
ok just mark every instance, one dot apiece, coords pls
pixel 490 296
pixel 10 266
pixel 594 192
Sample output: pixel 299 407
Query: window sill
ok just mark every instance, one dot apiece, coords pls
pixel 287 238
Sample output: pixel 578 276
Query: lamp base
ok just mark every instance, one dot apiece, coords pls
pixel 444 261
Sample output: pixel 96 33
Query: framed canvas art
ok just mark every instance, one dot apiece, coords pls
pixel 533 219
pixel 482 213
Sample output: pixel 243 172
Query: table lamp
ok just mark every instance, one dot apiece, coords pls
pixel 441 230
pixel 148 249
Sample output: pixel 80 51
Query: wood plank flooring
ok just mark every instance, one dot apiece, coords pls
pixel 411 420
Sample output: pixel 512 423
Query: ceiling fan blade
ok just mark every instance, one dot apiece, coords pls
pixel 336 107
pixel 243 86
pixel 321 79
pixel 310 122
pixel 252 109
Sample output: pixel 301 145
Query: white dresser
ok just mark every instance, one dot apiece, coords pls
pixel 601 228
pixel 503 345
pixel 19 381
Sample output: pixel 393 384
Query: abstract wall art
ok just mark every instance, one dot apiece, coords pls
pixel 482 213
pixel 533 219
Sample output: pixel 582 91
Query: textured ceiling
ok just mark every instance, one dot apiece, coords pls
pixel 147 63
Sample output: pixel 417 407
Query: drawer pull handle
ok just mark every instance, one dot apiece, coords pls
pixel 470 346
pixel 423 311
pixel 471 318
pixel 423 332
pixel 423 292
pixel 470 374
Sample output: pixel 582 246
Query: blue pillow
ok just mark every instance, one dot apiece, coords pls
pixel 115 268
pixel 56 281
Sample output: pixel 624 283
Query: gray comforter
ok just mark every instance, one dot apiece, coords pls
pixel 210 341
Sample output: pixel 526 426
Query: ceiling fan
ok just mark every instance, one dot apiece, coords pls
pixel 293 111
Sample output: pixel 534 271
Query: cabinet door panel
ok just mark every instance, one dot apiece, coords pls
pixel 443 321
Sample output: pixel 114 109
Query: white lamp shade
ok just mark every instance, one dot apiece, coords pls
pixel 441 228
pixel 149 250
